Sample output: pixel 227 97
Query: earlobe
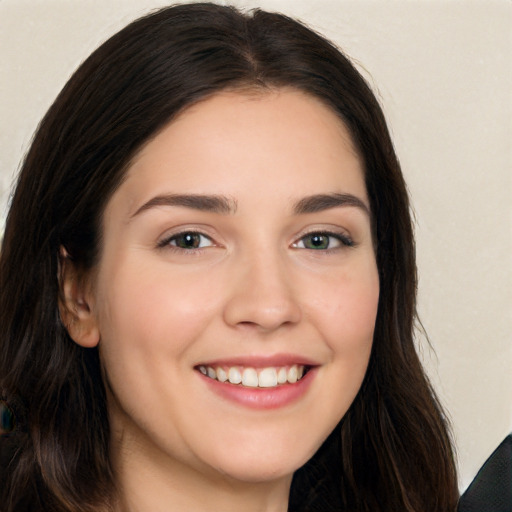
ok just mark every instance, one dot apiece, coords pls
pixel 75 303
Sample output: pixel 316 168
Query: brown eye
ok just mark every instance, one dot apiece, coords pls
pixel 189 240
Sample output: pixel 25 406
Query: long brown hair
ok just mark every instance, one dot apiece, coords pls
pixel 391 451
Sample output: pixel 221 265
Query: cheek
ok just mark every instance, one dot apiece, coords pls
pixel 344 314
pixel 150 322
pixel 150 307
pixel 346 310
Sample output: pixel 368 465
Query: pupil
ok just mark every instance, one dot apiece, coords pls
pixel 189 240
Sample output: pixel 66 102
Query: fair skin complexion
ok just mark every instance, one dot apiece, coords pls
pixel 274 269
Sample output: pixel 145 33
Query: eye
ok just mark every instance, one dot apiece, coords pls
pixel 188 240
pixel 321 241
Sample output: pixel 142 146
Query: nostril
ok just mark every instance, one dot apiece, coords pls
pixel 264 325
pixel 261 314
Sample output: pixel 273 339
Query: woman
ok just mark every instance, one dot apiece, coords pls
pixel 208 284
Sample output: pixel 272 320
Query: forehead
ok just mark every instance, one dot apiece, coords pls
pixel 267 141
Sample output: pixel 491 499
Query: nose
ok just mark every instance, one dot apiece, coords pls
pixel 262 295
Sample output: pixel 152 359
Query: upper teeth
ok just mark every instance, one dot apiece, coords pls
pixel 250 377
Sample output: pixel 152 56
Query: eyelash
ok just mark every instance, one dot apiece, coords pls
pixel 344 240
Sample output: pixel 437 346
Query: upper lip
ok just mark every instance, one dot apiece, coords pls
pixel 261 361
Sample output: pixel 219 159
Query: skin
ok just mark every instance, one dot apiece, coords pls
pixel 253 288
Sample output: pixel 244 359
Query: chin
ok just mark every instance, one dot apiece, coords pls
pixel 263 463
pixel 251 472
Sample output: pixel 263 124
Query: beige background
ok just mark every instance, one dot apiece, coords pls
pixel 443 71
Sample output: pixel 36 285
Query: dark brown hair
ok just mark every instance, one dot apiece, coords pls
pixel 391 451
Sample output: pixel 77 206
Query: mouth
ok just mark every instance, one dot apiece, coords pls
pixel 260 382
pixel 250 377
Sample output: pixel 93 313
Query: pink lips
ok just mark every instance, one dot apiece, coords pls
pixel 263 361
pixel 257 397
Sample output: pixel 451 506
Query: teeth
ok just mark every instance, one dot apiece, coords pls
pixel 267 378
pixel 234 375
pixel 292 374
pixel 222 376
pixel 252 378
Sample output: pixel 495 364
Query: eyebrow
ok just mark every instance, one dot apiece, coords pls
pixel 202 202
pixel 225 205
pixel 321 202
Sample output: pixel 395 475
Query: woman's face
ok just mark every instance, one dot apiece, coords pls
pixel 239 247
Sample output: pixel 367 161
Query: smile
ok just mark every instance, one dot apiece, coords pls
pixel 269 377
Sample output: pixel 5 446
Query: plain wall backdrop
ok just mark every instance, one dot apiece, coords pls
pixel 443 72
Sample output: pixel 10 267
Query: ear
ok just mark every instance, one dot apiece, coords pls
pixel 75 303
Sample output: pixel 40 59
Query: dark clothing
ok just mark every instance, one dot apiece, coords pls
pixel 491 490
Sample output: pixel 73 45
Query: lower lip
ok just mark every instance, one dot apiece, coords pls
pixel 262 398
